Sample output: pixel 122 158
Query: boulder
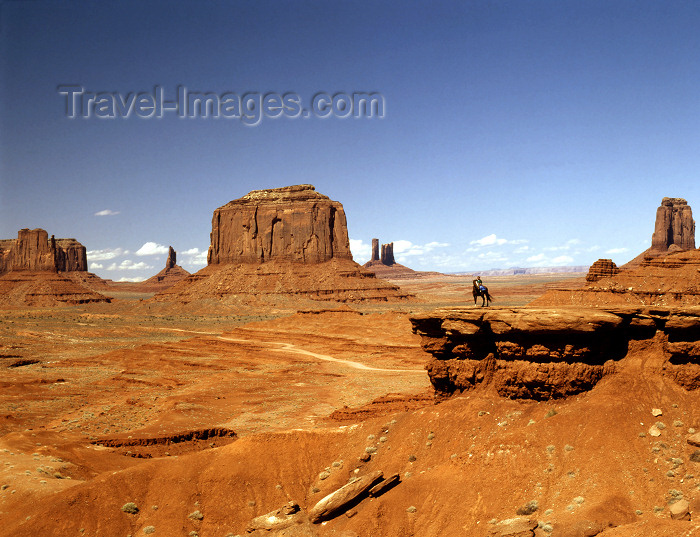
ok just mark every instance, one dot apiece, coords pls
pixel 674 226
pixel 694 440
pixel 341 500
pixel 680 510
pixel 293 223
pixel 280 519
pixel 514 527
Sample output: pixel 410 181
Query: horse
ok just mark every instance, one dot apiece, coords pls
pixel 486 298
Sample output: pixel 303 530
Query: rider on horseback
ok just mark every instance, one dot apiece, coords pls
pixel 479 284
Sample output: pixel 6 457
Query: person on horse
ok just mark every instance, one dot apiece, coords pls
pixel 480 290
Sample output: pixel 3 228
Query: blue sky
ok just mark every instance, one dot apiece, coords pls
pixel 514 133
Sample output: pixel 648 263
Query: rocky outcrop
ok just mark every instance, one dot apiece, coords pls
pixel 289 242
pixel 388 254
pixel 539 353
pixel 169 276
pixel 603 268
pixel 671 280
pixel 172 258
pixel 674 226
pixel 338 280
pixel 375 250
pixel 34 251
pixel 45 288
pixel 293 223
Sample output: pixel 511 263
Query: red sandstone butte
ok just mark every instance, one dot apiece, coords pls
pixel 674 226
pixel 293 223
pixel 33 250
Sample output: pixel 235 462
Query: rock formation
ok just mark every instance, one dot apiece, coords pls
pixel 375 250
pixel 667 280
pixel 539 353
pixel 603 268
pixel 293 223
pixel 289 241
pixel 674 226
pixel 170 275
pixel 33 251
pixel 388 254
pixel 172 258
pixel 385 266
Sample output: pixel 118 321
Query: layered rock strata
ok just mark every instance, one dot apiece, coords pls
pixel 538 353
pixel 338 280
pixel 289 241
pixel 293 223
pixel 602 268
pixel 33 250
pixel 46 288
pixel 669 280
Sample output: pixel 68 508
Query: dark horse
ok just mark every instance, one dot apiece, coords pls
pixel 485 296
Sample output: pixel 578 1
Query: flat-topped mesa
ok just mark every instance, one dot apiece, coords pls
pixel 674 226
pixel 603 268
pixel 34 251
pixel 293 223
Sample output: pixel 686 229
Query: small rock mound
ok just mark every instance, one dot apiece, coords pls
pixel 603 268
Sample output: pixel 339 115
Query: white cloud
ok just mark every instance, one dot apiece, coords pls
pixel 616 250
pixel 489 240
pixel 94 266
pixel 151 248
pixel 494 240
pixel 128 264
pixel 191 251
pixel 522 249
pixel 361 251
pixel 562 260
pixel 536 258
pixel 133 280
pixel 403 249
pixel 199 259
pixel 105 254
pixel 106 212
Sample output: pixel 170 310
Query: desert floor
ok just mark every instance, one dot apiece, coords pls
pixel 109 403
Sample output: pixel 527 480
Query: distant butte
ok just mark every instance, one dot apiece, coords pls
pixel 33 250
pixel 38 271
pixel 281 242
pixel 667 274
pixel 674 231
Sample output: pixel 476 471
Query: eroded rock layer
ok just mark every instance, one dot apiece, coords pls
pixel 33 250
pixel 338 280
pixel 671 280
pixel 293 223
pixel 674 226
pixel 45 288
pixel 539 353
pixel 602 268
